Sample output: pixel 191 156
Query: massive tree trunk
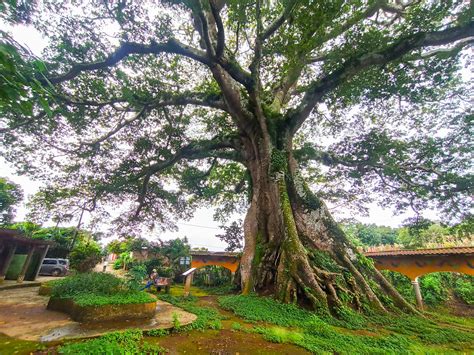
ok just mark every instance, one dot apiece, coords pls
pixel 293 247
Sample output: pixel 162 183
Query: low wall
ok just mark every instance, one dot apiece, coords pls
pixel 110 312
pixel 45 290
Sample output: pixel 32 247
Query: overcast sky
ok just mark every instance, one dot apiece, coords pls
pixel 200 230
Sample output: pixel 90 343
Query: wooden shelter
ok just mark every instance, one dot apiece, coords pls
pixel 20 256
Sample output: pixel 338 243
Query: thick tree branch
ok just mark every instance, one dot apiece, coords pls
pixel 220 30
pixel 195 150
pixel 128 48
pixel 317 89
pixel 279 21
pixel 196 99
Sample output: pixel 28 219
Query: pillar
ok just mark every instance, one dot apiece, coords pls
pixel 232 277
pixel 6 262
pixel 42 256
pixel 187 285
pixel 416 287
pixel 21 276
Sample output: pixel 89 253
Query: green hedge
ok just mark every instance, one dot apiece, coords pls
pixel 97 289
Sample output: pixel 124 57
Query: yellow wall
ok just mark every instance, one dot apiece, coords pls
pixel 418 265
pixel 231 263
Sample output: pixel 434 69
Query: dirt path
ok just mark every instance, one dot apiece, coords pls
pixel 224 341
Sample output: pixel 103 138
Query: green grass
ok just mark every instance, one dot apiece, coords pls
pixel 350 333
pixel 207 318
pixel 178 291
pixel 97 289
pixel 254 308
pixel 91 282
pixel 128 342
pixel 131 297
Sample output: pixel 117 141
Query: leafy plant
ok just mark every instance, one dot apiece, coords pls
pixel 206 317
pixel 464 288
pixel 10 193
pixel 124 297
pixel 135 276
pixel 128 342
pixel 97 289
pixel 176 322
pixel 85 256
pixel 92 282
pixel 157 332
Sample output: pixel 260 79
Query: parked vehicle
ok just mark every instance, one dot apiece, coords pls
pixel 54 267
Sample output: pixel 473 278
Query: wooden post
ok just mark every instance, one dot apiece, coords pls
pixel 21 276
pixel 232 277
pixel 416 287
pixel 6 262
pixel 42 255
pixel 187 285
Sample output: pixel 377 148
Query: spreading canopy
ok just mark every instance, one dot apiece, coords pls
pixel 143 105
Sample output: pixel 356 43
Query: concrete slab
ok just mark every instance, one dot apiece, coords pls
pixel 23 315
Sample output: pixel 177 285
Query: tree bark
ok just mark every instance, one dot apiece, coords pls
pixel 295 250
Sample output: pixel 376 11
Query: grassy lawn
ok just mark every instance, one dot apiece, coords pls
pixel 251 324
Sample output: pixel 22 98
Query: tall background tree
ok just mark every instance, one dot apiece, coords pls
pixel 11 195
pixel 159 107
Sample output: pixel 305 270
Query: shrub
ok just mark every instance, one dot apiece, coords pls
pixel 84 257
pixel 127 297
pixel 117 264
pixel 92 282
pixel 97 289
pixel 135 276
pixel 433 289
pixel 464 289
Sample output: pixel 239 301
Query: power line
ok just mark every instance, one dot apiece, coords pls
pixel 196 225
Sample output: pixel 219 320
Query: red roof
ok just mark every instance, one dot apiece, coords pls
pixel 433 251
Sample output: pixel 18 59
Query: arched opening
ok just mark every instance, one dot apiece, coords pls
pixel 212 276
pixel 452 290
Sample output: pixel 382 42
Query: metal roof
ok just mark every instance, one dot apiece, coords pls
pixel 13 235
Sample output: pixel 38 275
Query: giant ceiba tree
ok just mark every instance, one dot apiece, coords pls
pixel 158 107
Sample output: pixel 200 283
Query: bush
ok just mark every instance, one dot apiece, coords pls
pixel 97 289
pixel 92 282
pixel 135 276
pixel 117 264
pixel 130 297
pixel 434 289
pixel 464 289
pixel 84 257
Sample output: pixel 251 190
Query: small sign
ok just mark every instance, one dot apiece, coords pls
pixel 185 260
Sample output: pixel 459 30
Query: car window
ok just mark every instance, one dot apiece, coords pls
pixel 49 262
pixel 62 262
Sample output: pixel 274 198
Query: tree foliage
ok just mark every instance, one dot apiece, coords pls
pixel 129 82
pixel 233 236
pixel 158 108
pixel 10 195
